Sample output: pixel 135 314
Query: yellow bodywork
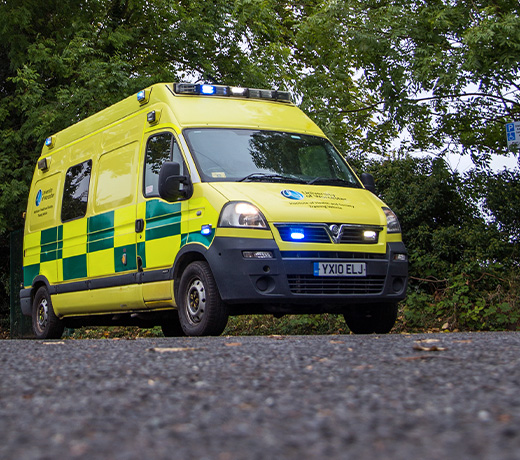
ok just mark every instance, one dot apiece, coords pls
pixel 104 241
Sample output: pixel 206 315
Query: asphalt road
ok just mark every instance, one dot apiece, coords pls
pixel 454 396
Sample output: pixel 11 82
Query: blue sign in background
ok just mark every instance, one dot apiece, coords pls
pixel 513 132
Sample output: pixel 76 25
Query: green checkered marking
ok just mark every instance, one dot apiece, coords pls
pixel 100 235
pixel 131 258
pixel 75 267
pixel 141 252
pixel 51 244
pixel 162 220
pixel 29 273
pixel 100 232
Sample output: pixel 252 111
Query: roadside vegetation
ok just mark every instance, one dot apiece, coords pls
pixel 398 87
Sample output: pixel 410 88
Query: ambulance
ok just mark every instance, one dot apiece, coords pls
pixel 184 204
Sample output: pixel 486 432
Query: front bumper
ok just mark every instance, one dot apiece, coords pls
pixel 288 278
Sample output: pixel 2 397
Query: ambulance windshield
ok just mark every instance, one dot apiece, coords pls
pixel 270 156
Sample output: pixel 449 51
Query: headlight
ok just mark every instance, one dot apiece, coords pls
pixel 392 223
pixel 242 214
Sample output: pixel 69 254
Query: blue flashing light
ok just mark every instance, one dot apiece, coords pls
pixel 48 141
pixel 297 234
pixel 205 229
pixel 208 89
pixel 141 95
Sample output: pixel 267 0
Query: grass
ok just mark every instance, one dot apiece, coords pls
pixel 237 326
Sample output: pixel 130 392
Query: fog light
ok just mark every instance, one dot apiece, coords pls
pixel 398 284
pixel 401 257
pixel 257 254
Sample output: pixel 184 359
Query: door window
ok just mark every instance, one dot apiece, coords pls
pixel 159 148
pixel 75 192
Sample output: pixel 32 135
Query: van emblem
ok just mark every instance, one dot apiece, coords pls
pixel 39 197
pixel 292 194
pixel 334 229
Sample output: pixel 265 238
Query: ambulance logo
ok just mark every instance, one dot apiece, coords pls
pixel 292 194
pixel 39 197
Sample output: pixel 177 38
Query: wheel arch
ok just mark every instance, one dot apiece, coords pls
pixel 27 294
pixel 38 282
pixel 188 254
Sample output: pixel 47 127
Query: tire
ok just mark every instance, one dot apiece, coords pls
pixel 171 327
pixel 367 319
pixel 201 310
pixel 46 325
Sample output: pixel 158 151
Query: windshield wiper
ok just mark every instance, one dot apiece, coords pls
pixel 264 177
pixel 331 181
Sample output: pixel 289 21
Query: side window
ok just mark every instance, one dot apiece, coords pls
pixel 75 192
pixel 160 148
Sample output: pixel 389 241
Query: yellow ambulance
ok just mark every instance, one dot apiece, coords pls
pixel 186 203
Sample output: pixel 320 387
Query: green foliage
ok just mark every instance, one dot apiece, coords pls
pixel 463 267
pixel 287 325
pixel 388 78
pixel 500 194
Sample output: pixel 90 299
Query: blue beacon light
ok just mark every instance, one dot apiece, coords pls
pixel 205 229
pixel 297 234
pixel 207 89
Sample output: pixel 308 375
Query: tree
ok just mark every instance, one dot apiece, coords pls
pixel 387 77
pixel 501 200
pixel 440 76
pixel 463 264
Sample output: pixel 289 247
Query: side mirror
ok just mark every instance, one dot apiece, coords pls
pixel 170 180
pixel 369 182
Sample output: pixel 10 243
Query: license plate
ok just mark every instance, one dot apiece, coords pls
pixel 340 269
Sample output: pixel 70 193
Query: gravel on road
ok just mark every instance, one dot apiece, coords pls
pixel 426 396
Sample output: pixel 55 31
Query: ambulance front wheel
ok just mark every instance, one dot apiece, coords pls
pixel 201 310
pixel 46 325
pixel 367 319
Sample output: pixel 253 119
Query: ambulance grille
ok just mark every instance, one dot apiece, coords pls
pixel 309 284
pixel 323 233
pixel 312 234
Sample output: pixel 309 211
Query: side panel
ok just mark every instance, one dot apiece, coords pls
pixel 82 256
pixel 161 293
pixel 111 228
pixel 99 301
pixel 43 238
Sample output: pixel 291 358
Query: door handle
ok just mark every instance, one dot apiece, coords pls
pixel 139 225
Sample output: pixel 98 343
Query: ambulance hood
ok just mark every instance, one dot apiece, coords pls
pixel 307 203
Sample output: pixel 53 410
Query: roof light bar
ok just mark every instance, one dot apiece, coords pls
pixel 233 91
